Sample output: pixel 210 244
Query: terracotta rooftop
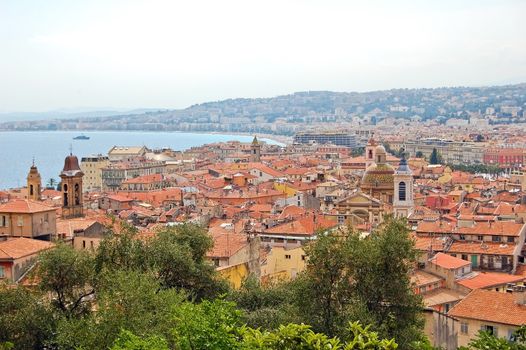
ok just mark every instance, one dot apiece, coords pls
pixel 24 206
pixel 16 248
pixel 489 279
pixel 490 306
pixel 448 262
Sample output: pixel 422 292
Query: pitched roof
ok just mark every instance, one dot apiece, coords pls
pixel 24 206
pixel 448 262
pixel 15 248
pixel 491 306
pixel 489 279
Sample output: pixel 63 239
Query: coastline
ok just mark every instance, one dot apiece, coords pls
pixel 279 139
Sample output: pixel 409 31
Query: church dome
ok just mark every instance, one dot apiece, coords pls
pixel 71 166
pixel 380 150
pixel 378 175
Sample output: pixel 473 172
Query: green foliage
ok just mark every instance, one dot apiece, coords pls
pixel 25 321
pixel 178 255
pixel 208 325
pixel 69 276
pixel 323 292
pixel 350 278
pixel 265 306
pixel 477 168
pixel 419 154
pixel 300 336
pixel 358 151
pixel 7 346
pixel 126 300
pixel 435 157
pixel 129 341
pixel 381 265
pixel 122 251
pixel 486 340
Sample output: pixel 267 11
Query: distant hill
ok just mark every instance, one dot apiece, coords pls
pixel 69 113
pixel 288 114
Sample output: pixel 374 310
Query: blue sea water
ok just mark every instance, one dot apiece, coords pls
pixel 49 148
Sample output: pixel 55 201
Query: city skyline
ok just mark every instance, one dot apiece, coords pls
pixel 171 55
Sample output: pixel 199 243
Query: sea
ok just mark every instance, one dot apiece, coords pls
pixel 18 149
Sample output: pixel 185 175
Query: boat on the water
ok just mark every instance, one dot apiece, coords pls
pixel 81 137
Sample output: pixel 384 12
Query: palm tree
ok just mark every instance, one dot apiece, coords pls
pixel 51 183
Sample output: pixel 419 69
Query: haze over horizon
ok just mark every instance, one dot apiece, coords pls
pixel 162 54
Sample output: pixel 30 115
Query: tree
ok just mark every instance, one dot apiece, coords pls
pixel 69 276
pixel 26 322
pixel 486 340
pixel 122 251
pixel 51 183
pixel 381 265
pixel 419 154
pixel 207 325
pixel 129 341
pixel 435 157
pixel 125 300
pixel 266 306
pixel 179 257
pixel 323 292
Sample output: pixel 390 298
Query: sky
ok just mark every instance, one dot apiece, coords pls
pixel 171 54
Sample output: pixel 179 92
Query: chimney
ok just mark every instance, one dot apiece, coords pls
pixel 519 294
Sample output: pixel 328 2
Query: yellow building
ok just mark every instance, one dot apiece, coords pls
pixel 282 263
pixel 286 188
pixel 234 274
pixel 26 218
pixel 92 168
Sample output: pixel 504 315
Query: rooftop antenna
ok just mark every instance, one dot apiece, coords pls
pixel 33 160
pixel 70 149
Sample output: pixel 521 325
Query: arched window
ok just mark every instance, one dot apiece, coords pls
pixel 65 194
pixel 77 194
pixel 402 191
pixel 370 154
pixel 30 190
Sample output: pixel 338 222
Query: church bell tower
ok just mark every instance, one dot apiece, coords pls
pixel 71 175
pixel 370 152
pixel 403 204
pixel 255 151
pixel 34 183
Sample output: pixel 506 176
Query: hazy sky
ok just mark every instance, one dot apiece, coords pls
pixel 170 54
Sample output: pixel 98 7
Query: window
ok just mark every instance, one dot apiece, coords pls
pixel 464 257
pixel 402 191
pixel 464 328
pixel 490 329
pixel 3 223
pixel 2 272
pixel 462 237
pixel 480 238
pixel 341 219
pixel 83 244
pixel 20 220
pixel 287 256
pixel 303 257
pixel 511 239
pixel 495 238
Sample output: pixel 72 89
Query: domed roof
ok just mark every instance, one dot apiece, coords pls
pixel 71 166
pixel 380 150
pixel 378 175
